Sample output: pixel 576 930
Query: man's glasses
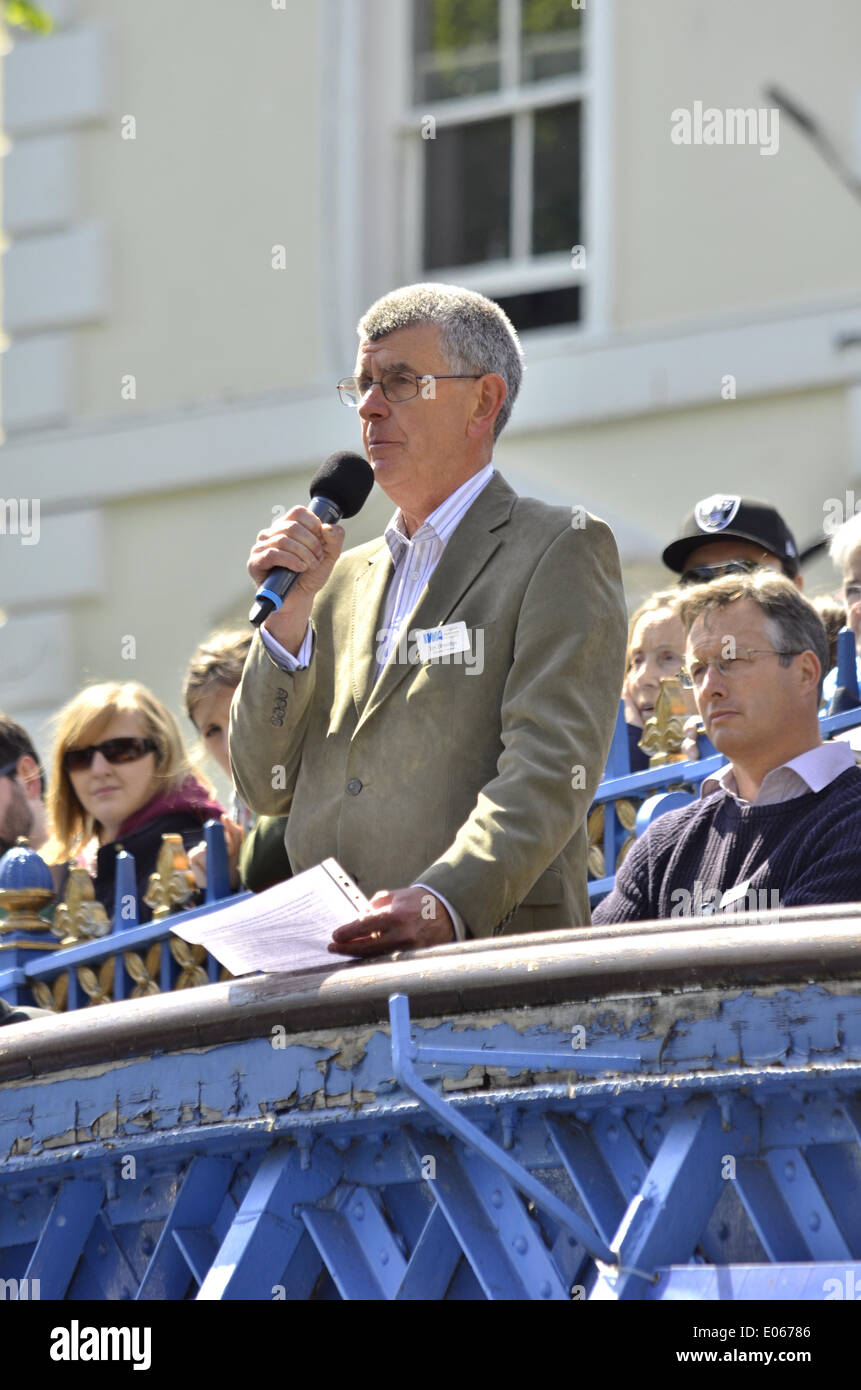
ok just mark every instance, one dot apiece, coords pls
pixel 113 750
pixel 396 386
pixel 693 677
pixel 704 574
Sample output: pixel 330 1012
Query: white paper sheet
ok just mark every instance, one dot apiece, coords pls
pixel 286 928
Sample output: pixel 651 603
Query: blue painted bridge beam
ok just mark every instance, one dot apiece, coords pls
pixel 403 1053
pixel 664 1220
pixel 64 1236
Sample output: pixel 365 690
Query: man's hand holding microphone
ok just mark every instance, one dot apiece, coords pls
pixel 302 543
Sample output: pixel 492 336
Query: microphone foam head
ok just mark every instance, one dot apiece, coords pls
pixel 345 479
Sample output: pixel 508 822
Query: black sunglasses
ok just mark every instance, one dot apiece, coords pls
pixel 704 574
pixel 114 750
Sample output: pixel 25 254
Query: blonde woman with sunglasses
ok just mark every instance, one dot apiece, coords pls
pixel 121 776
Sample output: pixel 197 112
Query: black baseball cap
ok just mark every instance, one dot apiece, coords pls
pixel 729 517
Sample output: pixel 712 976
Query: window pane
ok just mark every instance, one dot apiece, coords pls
pixel 456 47
pixel 468 194
pixel 542 308
pixel 551 39
pixel 556 179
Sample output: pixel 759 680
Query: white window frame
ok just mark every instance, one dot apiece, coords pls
pixel 523 273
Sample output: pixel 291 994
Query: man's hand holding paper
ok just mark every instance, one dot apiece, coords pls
pixel 405 920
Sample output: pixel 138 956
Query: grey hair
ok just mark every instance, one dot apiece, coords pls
pixel 793 623
pixel 845 541
pixel 658 602
pixel 476 335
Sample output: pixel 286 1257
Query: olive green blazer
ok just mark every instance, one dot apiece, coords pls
pixel 474 779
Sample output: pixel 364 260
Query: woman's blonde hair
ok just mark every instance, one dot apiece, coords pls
pixel 82 722
pixel 655 603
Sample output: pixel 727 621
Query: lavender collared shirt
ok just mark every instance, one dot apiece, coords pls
pixel 809 772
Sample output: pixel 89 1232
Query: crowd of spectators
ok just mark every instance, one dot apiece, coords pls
pixel 121 775
pixel 780 819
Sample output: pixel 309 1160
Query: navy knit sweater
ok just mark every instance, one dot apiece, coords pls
pixel 796 852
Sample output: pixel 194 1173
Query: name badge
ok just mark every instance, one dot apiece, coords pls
pixel 732 895
pixel 436 642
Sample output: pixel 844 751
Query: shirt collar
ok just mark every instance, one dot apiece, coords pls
pixel 443 520
pixel 814 770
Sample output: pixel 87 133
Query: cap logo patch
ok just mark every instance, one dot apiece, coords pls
pixel 715 513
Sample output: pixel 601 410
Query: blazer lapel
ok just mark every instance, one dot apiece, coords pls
pixel 463 559
pixel 369 594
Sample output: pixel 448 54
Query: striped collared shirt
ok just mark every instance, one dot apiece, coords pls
pixel 416 557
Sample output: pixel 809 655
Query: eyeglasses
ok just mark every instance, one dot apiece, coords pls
pixel 692 677
pixel 113 750
pixel 396 386
pixel 704 574
pixel 9 769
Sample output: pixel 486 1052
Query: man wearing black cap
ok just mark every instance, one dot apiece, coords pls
pixel 725 534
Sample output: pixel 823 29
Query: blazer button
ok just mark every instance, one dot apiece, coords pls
pixel 354 787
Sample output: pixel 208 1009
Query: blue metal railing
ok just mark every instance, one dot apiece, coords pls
pixel 142 973
pixel 609 1135
pixel 128 945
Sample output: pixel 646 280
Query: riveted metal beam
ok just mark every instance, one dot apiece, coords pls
pixel 666 1218
pixel 265 1232
pixel 64 1235
pixel 502 1245
pixel 197 1204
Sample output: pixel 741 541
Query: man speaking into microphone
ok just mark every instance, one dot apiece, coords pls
pixel 440 701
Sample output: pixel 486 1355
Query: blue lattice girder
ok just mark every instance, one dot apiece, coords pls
pixel 404 1052
pixel 664 1221
pixel 180 1256
pixel 65 1232
pixel 792 1282
pixel 266 1234
pixel 362 1256
pixel 433 1262
pixel 253 1161
pixel 502 1244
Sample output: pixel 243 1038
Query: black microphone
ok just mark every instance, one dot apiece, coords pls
pixel 339 488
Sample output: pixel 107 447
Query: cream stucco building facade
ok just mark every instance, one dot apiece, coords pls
pixel 200 199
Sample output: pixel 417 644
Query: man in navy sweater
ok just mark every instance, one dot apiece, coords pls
pixel 780 826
